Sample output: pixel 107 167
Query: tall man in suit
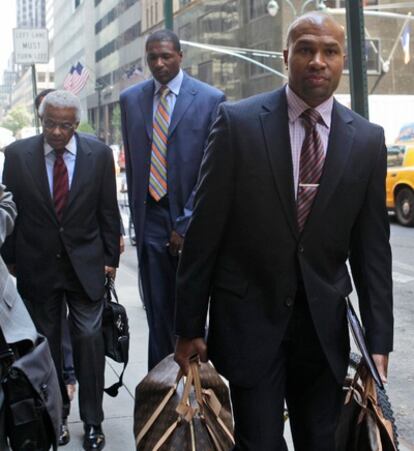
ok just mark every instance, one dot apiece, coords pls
pixel 165 124
pixel 66 239
pixel 292 184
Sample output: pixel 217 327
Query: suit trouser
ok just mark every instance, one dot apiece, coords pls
pixel 301 375
pixel 158 270
pixel 85 324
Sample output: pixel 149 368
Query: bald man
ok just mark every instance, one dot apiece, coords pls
pixel 292 186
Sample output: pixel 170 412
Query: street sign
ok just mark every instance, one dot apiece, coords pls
pixel 31 45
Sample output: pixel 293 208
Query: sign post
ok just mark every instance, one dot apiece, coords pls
pixel 31 47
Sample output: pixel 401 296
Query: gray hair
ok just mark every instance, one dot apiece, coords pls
pixel 61 99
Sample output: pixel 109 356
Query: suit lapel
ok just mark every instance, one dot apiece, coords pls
pixel 184 100
pixel 275 125
pixel 35 160
pixel 339 147
pixel 145 101
pixel 82 171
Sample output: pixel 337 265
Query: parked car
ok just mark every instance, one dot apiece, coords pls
pixel 400 182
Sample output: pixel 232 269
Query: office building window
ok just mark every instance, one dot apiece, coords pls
pixel 205 72
pixel 257 8
pixel 123 39
pixel 113 14
pixel 77 3
pixel 256 70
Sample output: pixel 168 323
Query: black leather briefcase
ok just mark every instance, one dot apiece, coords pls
pixel 115 331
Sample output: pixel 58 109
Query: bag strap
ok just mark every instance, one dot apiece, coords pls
pixel 113 389
pixel 110 289
pixel 111 294
pixel 159 409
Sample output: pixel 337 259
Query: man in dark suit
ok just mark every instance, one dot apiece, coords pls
pixel 165 124
pixel 292 184
pixel 66 239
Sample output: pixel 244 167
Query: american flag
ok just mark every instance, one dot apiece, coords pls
pixel 76 79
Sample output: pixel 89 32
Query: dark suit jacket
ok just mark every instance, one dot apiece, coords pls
pixel 89 231
pixel 244 249
pixel 194 111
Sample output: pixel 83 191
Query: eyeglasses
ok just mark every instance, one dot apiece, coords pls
pixel 50 125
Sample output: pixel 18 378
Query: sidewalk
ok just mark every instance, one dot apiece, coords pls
pixel 119 411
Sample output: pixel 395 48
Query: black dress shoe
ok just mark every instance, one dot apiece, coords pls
pixel 64 436
pixel 94 438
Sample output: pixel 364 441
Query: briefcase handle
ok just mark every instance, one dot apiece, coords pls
pixel 110 289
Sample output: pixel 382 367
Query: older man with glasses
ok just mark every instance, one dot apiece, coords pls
pixel 65 240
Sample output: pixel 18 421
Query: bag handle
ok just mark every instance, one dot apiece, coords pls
pixel 110 293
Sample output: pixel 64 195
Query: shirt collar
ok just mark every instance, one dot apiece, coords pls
pixel 71 146
pixel 296 106
pixel 174 85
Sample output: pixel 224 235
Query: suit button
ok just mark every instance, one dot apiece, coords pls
pixel 58 256
pixel 301 249
pixel 289 302
pixel 61 230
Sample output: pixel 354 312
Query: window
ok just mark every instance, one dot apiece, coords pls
pixel 395 156
pixel 373 52
pixel 261 58
pixel 123 39
pixel 77 3
pixel 41 77
pixel 184 32
pixel 205 72
pixel 257 8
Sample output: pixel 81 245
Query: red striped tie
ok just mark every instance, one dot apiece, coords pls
pixel 312 158
pixel 60 183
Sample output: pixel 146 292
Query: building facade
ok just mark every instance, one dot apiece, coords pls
pixel 31 13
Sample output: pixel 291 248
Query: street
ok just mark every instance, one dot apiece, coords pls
pixel 401 369
pixel 119 411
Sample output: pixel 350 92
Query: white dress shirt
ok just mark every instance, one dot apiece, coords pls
pixel 69 157
pixel 296 106
pixel 174 86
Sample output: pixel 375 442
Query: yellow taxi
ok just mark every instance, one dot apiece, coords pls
pixel 400 182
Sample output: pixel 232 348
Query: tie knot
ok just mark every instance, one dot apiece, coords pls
pixel 164 90
pixel 311 117
pixel 59 152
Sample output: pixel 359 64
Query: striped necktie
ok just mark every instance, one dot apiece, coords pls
pixel 158 171
pixel 312 158
pixel 60 183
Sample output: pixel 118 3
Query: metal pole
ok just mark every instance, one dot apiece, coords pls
pixel 99 88
pixel 357 57
pixel 34 89
pixel 168 14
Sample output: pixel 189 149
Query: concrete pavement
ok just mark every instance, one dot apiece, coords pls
pixel 119 411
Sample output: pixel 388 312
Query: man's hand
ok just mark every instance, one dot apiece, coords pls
pixel 381 362
pixel 186 348
pixel 110 271
pixel 12 269
pixel 176 244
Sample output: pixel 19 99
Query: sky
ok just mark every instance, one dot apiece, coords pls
pixel 7 23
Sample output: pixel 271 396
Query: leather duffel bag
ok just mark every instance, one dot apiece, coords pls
pixel 366 422
pixel 183 414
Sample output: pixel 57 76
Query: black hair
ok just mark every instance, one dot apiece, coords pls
pixel 41 96
pixel 164 35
